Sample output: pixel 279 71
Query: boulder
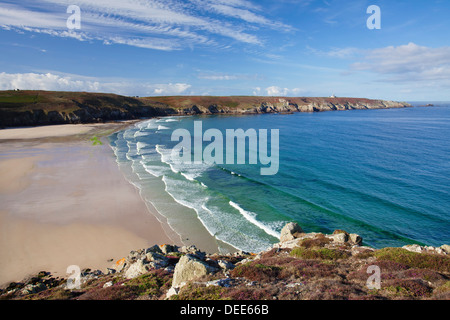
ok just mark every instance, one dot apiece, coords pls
pixel 445 248
pixel 189 268
pixel 338 237
pixel 225 265
pixel 33 288
pixel 290 232
pixel 356 239
pixel 426 249
pixel 157 260
pixel 413 248
pixel 167 248
pixel 155 249
pixel 136 269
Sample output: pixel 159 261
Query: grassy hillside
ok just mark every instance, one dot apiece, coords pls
pixel 28 108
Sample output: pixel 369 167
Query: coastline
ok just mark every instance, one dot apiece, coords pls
pixel 66 202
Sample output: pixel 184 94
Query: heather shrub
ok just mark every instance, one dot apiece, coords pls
pixel 307 269
pixel 256 272
pixel 428 275
pixel 442 292
pixel 318 241
pixel 198 292
pixel 409 288
pixel 110 293
pixel 322 254
pixel 244 293
pixel 414 260
pixel 153 283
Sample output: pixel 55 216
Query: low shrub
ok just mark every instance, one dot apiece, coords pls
pixel 409 288
pixel 322 254
pixel 414 260
pixel 256 272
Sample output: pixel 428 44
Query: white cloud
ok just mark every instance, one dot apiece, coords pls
pixel 408 63
pixel 341 53
pixel 276 91
pixel 55 82
pixel 218 77
pixel 155 24
pixel 280 92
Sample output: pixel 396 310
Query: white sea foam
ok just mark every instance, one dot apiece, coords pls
pixel 190 171
pixel 140 145
pixel 141 134
pixel 251 217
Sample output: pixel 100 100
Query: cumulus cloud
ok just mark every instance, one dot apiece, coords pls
pixel 55 82
pixel 276 91
pixel 408 63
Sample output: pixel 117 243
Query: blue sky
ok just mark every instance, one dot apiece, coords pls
pixel 229 47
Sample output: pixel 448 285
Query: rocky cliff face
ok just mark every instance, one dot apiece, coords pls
pixel 290 105
pixel 34 108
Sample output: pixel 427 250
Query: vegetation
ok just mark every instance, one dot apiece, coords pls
pixel 413 259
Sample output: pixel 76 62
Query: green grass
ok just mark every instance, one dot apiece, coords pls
pixel 414 260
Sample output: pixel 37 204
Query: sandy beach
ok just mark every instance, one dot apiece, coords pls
pixel 65 202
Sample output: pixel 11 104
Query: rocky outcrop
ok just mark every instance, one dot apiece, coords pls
pixel 45 108
pixel 290 232
pixel 190 268
pixel 301 266
pixel 259 105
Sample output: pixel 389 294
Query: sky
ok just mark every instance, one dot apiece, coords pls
pixel 229 47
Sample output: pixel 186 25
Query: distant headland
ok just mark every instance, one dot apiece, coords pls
pixel 34 108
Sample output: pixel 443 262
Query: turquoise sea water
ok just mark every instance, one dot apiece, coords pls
pixel 383 174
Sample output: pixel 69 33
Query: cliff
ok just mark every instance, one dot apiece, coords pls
pixel 254 105
pixel 302 266
pixel 34 108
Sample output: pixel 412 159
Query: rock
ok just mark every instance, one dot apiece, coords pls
pixel 110 271
pixel 226 283
pixel 413 248
pixel 188 249
pixel 446 248
pixel 155 249
pixel 290 231
pixel 33 288
pixel 108 284
pixel 167 248
pixel 172 291
pixel 426 249
pixel 158 260
pixel 338 237
pixel 361 249
pixel 136 269
pixel 189 268
pixel 225 265
pixel 356 239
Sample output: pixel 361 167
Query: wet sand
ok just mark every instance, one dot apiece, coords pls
pixel 65 202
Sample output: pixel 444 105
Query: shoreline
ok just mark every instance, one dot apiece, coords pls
pixel 56 210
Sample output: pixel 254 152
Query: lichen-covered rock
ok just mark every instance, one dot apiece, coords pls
pixel 355 239
pixel 189 268
pixel 136 269
pixel 338 237
pixel 157 260
pixel 426 249
pixel 167 248
pixel 446 248
pixel 225 265
pixel 290 231
pixel 155 249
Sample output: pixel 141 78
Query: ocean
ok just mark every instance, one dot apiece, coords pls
pixel 383 174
